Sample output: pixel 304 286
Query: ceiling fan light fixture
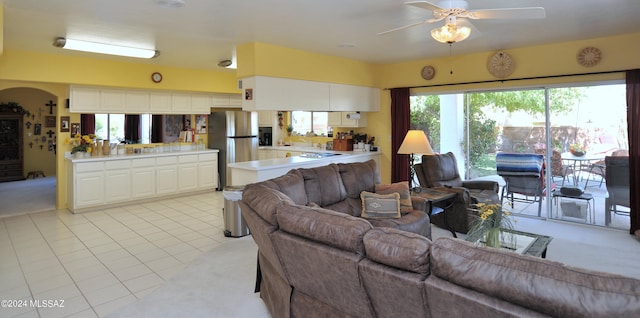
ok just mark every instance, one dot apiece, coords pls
pixel 450 33
pixel 103 48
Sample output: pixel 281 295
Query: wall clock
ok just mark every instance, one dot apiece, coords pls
pixel 589 56
pixel 428 72
pixel 156 77
pixel 501 64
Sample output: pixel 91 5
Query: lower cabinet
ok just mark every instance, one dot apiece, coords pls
pixel 94 183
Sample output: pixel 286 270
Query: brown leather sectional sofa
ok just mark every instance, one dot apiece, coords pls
pixel 321 261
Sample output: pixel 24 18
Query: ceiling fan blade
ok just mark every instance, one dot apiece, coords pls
pixel 509 13
pixel 424 5
pixel 402 28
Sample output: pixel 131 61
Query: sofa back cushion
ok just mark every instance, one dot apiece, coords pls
pixel 328 227
pixel 545 286
pixel 358 177
pixel 400 249
pixel 394 271
pixel 264 200
pixel 323 185
pixel 291 184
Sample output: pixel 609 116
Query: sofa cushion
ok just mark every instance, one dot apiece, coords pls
pixel 545 286
pixel 358 177
pixel 401 188
pixel 264 200
pixel 399 249
pixel 291 184
pixel 323 185
pixel 380 206
pixel 329 227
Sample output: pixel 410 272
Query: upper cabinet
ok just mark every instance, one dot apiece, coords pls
pixel 354 98
pixel 271 93
pixel 85 99
pixel 346 119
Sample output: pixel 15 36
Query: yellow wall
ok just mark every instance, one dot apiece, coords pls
pixel 53 73
pixel 36 154
pixel 277 61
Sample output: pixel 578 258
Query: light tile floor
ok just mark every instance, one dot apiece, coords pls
pixel 99 261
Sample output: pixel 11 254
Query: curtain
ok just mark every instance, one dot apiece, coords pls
pixel 87 124
pixel 400 123
pixel 132 129
pixel 633 122
pixel 156 128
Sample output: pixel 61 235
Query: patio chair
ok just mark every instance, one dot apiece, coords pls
pixel 558 167
pixel 523 174
pixel 440 172
pixel 617 182
pixel 599 168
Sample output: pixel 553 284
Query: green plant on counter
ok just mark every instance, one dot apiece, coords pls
pixel 290 128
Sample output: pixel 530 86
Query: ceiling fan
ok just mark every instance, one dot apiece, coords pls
pixel 451 10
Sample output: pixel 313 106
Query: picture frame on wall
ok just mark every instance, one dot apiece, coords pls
pixel 64 124
pixel 75 129
pixel 201 124
pixel 50 121
pixel 37 129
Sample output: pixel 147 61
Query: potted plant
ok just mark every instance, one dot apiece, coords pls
pixel 289 129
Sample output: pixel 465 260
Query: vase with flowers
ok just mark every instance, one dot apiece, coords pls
pixel 81 144
pixel 493 219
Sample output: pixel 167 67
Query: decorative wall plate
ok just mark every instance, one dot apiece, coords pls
pixel 589 56
pixel 428 72
pixel 501 64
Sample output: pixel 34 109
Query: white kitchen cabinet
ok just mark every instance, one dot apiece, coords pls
pixel 264 154
pixel 180 103
pixel 201 104
pixel 354 98
pixel 160 102
pixel 103 181
pixel 112 100
pixel 208 171
pixel 339 119
pixel 166 175
pixel 235 100
pixel 84 99
pixel 143 178
pixel 137 101
pixel 308 95
pixel 267 118
pixel 187 172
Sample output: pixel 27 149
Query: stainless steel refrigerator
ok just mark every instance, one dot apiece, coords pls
pixel 235 134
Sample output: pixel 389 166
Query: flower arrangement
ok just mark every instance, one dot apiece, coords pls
pixel 577 150
pixel 81 143
pixel 492 218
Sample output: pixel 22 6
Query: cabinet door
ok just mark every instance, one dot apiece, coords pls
pixel 208 171
pixel 308 95
pixel 84 99
pixel 117 185
pixel 143 182
pixel 201 104
pixel 167 177
pixel 180 103
pixel 187 177
pixel 89 188
pixel 112 100
pixel 160 103
pixel 266 118
pixel 137 102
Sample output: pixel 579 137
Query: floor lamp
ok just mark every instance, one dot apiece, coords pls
pixel 414 143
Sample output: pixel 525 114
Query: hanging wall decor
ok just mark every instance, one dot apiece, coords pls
pixel 501 64
pixel 64 124
pixel 50 121
pixel 37 129
pixel 75 129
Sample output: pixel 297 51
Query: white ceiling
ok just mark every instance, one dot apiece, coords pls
pixel 204 32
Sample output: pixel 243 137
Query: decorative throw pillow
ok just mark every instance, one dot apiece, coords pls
pixel 380 206
pixel 401 188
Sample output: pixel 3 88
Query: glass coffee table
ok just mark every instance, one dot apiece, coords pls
pixel 525 243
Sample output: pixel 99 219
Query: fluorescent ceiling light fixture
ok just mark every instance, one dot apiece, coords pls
pixel 103 48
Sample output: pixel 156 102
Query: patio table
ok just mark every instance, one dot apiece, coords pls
pixel 578 162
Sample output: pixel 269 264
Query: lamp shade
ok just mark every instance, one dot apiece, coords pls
pixel 450 33
pixel 415 142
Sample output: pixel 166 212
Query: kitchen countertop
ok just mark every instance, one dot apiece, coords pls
pixel 297 161
pixel 140 155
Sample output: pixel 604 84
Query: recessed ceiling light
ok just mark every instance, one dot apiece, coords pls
pixel 171 4
pixel 225 63
pixel 347 45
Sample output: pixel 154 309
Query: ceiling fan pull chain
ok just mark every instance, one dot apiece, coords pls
pixel 450 55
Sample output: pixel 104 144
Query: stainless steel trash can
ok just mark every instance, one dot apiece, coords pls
pixel 234 224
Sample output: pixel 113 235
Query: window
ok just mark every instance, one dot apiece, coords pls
pixel 111 127
pixel 304 122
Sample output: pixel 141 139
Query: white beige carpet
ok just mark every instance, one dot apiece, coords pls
pixel 220 283
pixel 27 196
